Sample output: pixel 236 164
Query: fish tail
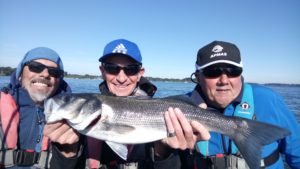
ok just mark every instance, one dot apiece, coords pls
pixel 252 135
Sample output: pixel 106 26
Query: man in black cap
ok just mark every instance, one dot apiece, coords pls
pixel 220 85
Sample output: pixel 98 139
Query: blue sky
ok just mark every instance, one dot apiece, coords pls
pixel 168 32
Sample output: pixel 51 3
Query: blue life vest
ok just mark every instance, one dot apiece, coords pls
pixel 245 110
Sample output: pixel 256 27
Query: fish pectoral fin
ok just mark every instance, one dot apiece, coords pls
pixel 118 128
pixel 120 149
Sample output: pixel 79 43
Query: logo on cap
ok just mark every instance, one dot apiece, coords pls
pixel 218 51
pixel 120 49
pixel 217 48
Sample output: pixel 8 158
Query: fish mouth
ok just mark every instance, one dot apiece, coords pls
pixel 93 122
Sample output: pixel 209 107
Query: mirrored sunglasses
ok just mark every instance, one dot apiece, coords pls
pixel 217 71
pixel 115 69
pixel 37 67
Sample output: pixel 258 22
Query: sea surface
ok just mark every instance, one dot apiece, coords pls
pixel 290 93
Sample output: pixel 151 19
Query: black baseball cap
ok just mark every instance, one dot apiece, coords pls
pixel 218 52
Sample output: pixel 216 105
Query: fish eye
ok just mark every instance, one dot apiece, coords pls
pixel 92 105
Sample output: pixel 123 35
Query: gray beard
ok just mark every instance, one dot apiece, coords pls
pixel 39 97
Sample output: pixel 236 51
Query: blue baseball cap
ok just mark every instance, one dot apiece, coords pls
pixel 39 53
pixel 122 46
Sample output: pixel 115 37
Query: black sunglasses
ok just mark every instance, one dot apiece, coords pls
pixel 37 67
pixel 115 69
pixel 217 71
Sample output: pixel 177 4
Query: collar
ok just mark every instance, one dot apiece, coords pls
pixel 144 86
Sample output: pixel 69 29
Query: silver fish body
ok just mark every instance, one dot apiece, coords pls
pixel 130 120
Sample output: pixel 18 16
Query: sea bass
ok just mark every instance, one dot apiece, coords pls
pixel 130 120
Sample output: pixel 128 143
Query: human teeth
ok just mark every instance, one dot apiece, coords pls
pixel 40 84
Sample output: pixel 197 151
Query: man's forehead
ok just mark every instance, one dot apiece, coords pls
pixel 46 62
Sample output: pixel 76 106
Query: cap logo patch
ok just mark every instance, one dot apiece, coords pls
pixel 217 48
pixel 218 51
pixel 120 49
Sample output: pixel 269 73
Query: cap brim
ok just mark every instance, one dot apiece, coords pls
pixel 104 57
pixel 219 61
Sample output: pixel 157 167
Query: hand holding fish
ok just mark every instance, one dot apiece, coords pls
pixel 186 133
pixel 61 133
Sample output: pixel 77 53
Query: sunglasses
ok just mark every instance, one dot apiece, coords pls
pixel 215 71
pixel 115 69
pixel 37 67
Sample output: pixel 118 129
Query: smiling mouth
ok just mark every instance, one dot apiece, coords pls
pixel 41 83
pixel 121 86
pixel 222 90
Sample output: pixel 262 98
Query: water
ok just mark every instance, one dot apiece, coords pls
pixel 291 94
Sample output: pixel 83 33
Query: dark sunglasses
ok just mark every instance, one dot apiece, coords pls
pixel 115 69
pixel 215 71
pixel 37 67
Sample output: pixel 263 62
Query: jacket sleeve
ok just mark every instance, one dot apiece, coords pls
pixel 59 161
pixel 290 145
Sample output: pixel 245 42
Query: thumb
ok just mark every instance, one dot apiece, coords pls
pixel 203 105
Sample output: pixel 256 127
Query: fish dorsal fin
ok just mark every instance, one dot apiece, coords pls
pixel 181 98
pixel 120 149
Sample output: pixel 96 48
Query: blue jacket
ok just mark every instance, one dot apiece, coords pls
pixel 269 108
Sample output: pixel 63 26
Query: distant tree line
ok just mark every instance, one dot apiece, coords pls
pixel 6 71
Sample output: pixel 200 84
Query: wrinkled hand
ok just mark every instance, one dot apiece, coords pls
pixel 63 134
pixel 186 133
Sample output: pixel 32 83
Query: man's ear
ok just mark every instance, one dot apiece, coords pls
pixel 141 73
pixel 102 71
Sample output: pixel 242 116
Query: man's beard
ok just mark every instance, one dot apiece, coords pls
pixel 38 96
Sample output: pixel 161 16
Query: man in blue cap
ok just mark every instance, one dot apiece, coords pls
pixel 38 77
pixel 122 73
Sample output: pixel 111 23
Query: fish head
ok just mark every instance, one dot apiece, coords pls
pixel 78 109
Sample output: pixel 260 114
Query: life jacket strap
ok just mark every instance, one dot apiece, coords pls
pixel 26 158
pixel 11 158
pixel 232 161
pixel 271 159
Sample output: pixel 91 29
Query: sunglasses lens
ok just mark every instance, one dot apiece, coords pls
pixel 131 69
pixel 233 71
pixel 111 68
pixel 214 72
pixel 115 69
pixel 55 72
pixel 37 67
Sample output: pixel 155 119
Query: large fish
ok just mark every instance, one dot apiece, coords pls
pixel 130 120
